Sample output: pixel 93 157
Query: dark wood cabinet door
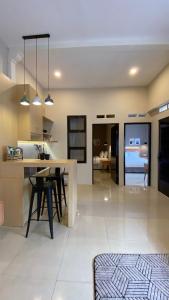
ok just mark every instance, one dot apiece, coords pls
pixel 163 158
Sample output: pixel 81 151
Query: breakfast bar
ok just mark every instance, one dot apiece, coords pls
pixel 15 188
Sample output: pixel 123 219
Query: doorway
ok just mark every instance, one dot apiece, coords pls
pixel 105 149
pixel 137 154
pixel 163 158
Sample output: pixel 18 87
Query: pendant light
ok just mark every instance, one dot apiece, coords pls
pixel 36 101
pixel 24 100
pixel 48 100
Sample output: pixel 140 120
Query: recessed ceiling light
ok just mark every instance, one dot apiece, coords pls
pixel 133 71
pixel 58 74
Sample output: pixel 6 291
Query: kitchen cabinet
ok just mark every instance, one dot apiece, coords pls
pixel 6 83
pixel 47 128
pixel 30 121
pixel 33 125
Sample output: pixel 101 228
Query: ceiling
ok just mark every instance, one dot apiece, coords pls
pixel 93 42
pixel 98 67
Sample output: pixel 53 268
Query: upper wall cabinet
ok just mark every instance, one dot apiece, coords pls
pixel 30 123
pixel 6 83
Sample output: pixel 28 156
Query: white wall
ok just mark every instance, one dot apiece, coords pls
pixel 91 102
pixel 3 58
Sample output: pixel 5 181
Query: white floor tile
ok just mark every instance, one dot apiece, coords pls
pixel 16 288
pixel 111 219
pixel 73 291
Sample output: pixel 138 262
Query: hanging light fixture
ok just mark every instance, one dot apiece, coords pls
pixel 48 100
pixel 37 101
pixel 24 100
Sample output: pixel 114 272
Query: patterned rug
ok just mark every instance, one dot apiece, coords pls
pixel 131 277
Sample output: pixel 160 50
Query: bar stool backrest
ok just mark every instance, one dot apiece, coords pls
pixel 36 181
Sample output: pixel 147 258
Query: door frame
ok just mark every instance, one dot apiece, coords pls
pixel 93 147
pixel 149 143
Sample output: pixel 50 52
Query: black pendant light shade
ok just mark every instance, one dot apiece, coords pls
pixel 49 101
pixel 24 101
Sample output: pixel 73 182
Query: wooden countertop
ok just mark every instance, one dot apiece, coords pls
pixel 39 162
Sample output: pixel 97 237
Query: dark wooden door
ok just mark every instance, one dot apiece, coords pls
pixel 115 153
pixel 163 158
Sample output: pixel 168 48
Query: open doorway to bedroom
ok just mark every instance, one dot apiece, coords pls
pixel 137 154
pixel 105 158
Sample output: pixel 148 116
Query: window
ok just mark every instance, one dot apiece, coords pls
pixel 76 126
pixel 163 108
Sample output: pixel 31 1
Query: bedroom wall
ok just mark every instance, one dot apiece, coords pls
pixel 91 102
pixel 136 131
pixel 100 136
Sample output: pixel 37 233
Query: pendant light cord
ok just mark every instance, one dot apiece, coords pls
pixel 36 65
pixel 48 65
pixel 24 69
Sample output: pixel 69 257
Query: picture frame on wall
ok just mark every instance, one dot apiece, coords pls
pixel 137 141
pixel 131 141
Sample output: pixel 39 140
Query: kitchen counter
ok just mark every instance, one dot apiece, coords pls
pixel 15 188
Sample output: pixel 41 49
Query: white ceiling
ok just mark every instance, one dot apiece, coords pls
pixel 88 38
pixel 98 66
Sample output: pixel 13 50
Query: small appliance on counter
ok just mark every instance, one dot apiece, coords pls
pixel 14 152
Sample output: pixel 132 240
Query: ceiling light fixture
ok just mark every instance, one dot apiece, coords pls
pixel 58 74
pixel 133 71
pixel 48 101
pixel 24 100
pixel 36 101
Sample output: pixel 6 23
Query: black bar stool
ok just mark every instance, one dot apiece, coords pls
pixel 43 187
pixel 58 176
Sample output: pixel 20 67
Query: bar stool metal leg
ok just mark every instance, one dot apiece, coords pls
pixel 30 212
pixel 56 203
pixel 43 204
pixel 58 181
pixel 64 193
pixel 39 200
pixel 50 210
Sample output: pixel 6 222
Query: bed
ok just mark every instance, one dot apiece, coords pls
pixel 133 162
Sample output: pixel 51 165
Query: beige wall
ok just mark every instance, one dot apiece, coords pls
pixel 158 90
pixel 158 93
pixel 90 103
pixel 8 119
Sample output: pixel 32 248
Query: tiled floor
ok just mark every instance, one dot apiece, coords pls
pixel 110 219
